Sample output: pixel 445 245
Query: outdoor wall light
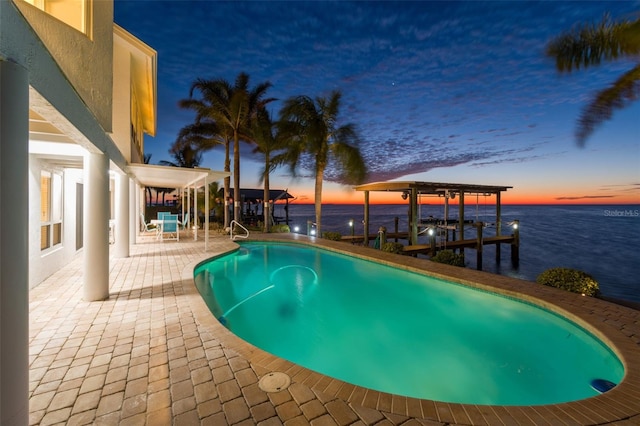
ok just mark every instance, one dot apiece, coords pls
pixel 313 232
pixel 296 228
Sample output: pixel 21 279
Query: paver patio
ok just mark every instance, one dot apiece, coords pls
pixel 152 354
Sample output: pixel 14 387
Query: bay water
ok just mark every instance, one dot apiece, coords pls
pixel 601 240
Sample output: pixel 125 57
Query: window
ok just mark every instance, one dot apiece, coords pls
pixel 75 13
pixel 50 210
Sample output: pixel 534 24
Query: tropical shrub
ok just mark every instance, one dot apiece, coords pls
pixel 333 236
pixel 449 257
pixel 280 229
pixel 217 228
pixel 392 247
pixel 571 280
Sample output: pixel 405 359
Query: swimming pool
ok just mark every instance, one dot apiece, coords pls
pixel 401 332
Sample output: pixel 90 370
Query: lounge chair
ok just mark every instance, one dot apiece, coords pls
pixel 147 227
pixel 170 229
pixel 183 225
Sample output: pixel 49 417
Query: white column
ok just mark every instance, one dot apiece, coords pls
pixel 189 207
pixel 182 207
pixel 195 213
pixel 134 212
pixel 96 227
pixel 121 246
pixel 140 209
pixel 14 252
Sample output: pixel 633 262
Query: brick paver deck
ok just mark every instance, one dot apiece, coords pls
pixel 152 354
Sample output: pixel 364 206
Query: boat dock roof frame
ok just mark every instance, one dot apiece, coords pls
pixel 412 189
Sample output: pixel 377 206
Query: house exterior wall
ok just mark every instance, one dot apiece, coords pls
pixel 85 60
pixel 66 77
pixel 42 264
pixel 70 78
pixel 121 133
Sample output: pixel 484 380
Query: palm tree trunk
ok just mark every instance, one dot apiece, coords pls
pixel 266 211
pixel 227 183
pixel 236 178
pixel 318 199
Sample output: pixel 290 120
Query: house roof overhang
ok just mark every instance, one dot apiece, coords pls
pixel 173 177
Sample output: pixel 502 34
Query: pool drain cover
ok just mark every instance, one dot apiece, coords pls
pixel 274 382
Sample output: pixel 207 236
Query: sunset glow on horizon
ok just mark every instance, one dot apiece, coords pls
pixel 511 197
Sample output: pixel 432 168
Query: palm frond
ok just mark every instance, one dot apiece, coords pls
pixel 242 81
pixel 353 169
pixel 622 93
pixel 591 44
pixel 315 141
pixel 203 135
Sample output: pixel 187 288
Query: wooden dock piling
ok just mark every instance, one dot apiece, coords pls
pixel 515 246
pixel 479 245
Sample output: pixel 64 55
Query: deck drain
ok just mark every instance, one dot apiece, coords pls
pixel 274 382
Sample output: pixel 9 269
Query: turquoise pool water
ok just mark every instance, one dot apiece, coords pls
pixel 400 332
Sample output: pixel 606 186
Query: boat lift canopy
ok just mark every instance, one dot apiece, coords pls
pixel 413 189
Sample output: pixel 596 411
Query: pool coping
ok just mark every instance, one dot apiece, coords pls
pixel 600 317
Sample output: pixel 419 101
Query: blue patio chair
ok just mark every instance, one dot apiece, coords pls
pixel 170 229
pixel 161 215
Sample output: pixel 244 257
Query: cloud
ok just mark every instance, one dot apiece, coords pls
pixel 429 84
pixel 584 197
pixel 628 187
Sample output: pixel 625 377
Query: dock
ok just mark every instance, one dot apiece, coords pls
pixel 459 244
pixel 371 237
pixel 438 235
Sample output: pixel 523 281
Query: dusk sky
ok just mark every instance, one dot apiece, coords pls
pixel 439 91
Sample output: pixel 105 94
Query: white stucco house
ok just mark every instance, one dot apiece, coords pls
pixel 77 96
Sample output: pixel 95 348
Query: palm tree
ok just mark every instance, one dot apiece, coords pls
pixel 231 109
pixel 184 155
pixel 312 129
pixel 589 45
pixel 268 141
pixel 205 133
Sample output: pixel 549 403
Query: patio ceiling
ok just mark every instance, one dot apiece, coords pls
pixel 173 177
